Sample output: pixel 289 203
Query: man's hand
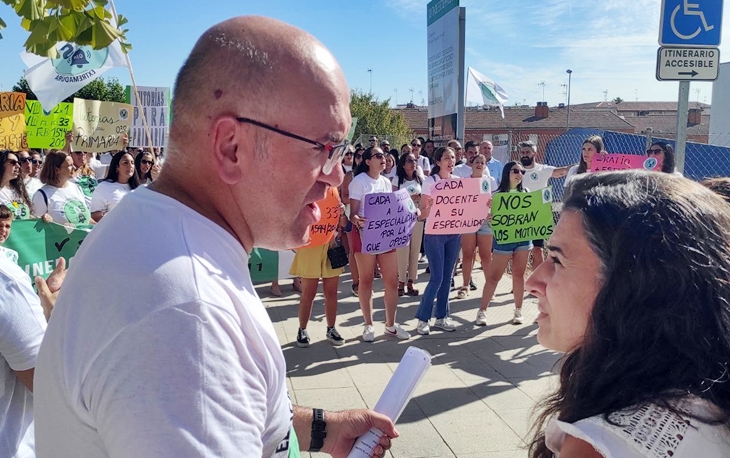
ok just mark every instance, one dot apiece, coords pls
pixel 48 289
pixel 343 428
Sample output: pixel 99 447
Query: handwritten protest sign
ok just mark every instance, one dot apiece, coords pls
pixel 322 232
pixel 48 130
pixel 154 102
pixel 266 266
pixel 459 206
pixel 389 221
pixel 606 162
pixel 12 121
pixel 99 126
pixel 522 216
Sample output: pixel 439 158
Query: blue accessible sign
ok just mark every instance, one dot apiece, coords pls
pixel 697 24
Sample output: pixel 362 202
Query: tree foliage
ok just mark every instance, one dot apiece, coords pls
pixel 375 117
pixel 106 91
pixel 84 22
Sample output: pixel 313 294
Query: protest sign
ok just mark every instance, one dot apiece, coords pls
pixel 266 266
pixel 322 232
pixel 606 162
pixel 459 206
pixel 12 121
pixel 522 216
pixel 40 244
pixel 99 126
pixel 154 103
pixel 48 129
pixel 389 221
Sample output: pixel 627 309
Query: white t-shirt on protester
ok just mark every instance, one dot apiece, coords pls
pixel 424 163
pixel 362 185
pixel 65 205
pixel 464 171
pixel 537 177
pixel 412 186
pixel 22 325
pixel 392 173
pixel 14 202
pixel 107 195
pixel 430 181
pixel 32 185
pixel 573 171
pixel 179 358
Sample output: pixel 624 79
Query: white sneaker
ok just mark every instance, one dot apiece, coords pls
pixel 423 328
pixel 397 332
pixel 518 317
pixel 368 335
pixel 481 318
pixel 445 324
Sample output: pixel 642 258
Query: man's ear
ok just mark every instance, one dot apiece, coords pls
pixel 230 150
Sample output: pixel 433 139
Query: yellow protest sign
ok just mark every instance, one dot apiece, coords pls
pixel 100 126
pixel 12 121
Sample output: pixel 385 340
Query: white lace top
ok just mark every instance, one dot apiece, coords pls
pixel 649 431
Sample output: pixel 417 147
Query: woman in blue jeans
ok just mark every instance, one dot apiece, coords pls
pixel 441 250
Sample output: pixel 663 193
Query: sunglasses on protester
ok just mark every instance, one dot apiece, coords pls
pixel 24 160
pixel 654 151
pixel 411 161
pixel 12 162
pixel 146 162
pixel 416 145
pixel 378 155
pixel 517 171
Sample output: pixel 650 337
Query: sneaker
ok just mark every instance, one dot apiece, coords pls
pixel 445 324
pixel 518 317
pixel 354 289
pixel 423 328
pixel 422 258
pixel 334 336
pixel 472 286
pixel 428 269
pixel 481 318
pixel 397 332
pixel 368 335
pixel 302 338
pixel 453 286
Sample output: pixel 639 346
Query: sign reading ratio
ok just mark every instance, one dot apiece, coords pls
pixel 691 64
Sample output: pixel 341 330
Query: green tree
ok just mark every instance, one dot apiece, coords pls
pixel 99 89
pixel 84 22
pixel 375 117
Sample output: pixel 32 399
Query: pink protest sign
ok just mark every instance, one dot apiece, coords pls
pixel 606 162
pixel 459 206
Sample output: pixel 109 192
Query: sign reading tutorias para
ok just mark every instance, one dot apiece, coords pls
pixel 154 103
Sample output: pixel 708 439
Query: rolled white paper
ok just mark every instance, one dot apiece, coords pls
pixel 395 397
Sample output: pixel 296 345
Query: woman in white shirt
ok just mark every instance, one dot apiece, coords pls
pixel 120 180
pixel 391 159
pixel 408 177
pixel 640 306
pixel 368 180
pixel 591 146
pixel 60 200
pixel 12 187
pixel 145 168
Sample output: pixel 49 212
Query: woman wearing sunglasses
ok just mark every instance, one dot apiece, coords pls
pixel 120 180
pixel 12 188
pixel 409 177
pixel 368 180
pixel 347 240
pixel 518 252
pixel 27 164
pixel 663 152
pixel 146 169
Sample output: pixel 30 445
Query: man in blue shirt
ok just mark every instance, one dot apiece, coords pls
pixel 494 166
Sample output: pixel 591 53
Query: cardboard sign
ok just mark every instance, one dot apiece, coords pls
pixel 12 121
pixel 99 126
pixel 154 103
pixel 460 206
pixel 266 266
pixel 522 216
pixel 322 232
pixel 48 130
pixel 389 221
pixel 606 162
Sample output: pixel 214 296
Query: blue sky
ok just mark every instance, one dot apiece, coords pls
pixel 610 45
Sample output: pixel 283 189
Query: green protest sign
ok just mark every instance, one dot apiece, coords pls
pixel 40 244
pixel 522 216
pixel 266 266
pixel 48 130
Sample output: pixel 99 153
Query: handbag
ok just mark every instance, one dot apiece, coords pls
pixel 337 254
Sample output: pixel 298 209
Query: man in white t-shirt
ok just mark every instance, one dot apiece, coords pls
pixel 169 352
pixel 458 150
pixel 536 177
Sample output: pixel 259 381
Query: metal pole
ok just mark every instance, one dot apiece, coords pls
pixel 570 74
pixel 649 137
pixel 682 109
pixel 370 70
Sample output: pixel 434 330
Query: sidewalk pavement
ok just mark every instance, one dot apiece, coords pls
pixel 475 401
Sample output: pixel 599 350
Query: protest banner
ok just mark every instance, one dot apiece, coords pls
pixel 99 126
pixel 459 206
pixel 48 129
pixel 40 244
pixel 617 161
pixel 522 216
pixel 154 102
pixel 323 231
pixel 12 121
pixel 266 266
pixel 389 221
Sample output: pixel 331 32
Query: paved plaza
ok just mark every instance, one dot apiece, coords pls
pixel 475 401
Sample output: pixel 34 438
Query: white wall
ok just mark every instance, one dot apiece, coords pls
pixel 720 117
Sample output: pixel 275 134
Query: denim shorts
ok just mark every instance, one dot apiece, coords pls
pixel 510 248
pixel 486 228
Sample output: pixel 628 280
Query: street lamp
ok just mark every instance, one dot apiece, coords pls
pixel 370 70
pixel 570 73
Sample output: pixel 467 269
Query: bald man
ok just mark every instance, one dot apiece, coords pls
pixel 179 358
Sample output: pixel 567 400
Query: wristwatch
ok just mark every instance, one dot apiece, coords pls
pixel 319 430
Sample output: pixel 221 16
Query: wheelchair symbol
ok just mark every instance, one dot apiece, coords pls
pixel 690 9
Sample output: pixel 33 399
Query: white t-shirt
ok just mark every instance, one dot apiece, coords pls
pixel 22 325
pixel 12 200
pixel 424 163
pixel 430 181
pixel 32 185
pixel 412 186
pixel 463 171
pixel 362 185
pixel 573 171
pixel 650 431
pixel 168 353
pixel 65 205
pixel 107 195
pixel 392 173
pixel 99 168
pixel 537 177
